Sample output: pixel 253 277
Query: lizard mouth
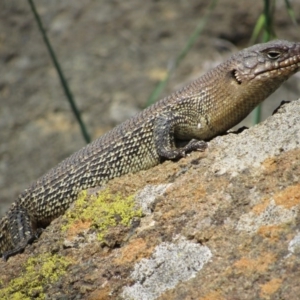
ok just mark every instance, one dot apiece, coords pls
pixel 280 68
pixel 235 75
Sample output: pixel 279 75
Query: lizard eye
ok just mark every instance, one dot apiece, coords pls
pixel 273 54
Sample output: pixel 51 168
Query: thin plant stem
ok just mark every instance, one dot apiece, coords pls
pixel 63 81
pixel 191 41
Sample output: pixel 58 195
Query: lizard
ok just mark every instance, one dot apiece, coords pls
pixel 200 111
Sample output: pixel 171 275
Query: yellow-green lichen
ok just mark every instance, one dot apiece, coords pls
pixel 102 211
pixel 37 273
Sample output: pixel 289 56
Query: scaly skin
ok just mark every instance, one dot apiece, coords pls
pixel 205 108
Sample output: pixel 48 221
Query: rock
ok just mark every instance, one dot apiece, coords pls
pixel 223 224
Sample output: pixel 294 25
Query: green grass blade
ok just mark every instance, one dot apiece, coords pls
pixel 191 41
pixel 63 81
pixel 267 28
pixel 291 12
pixel 258 28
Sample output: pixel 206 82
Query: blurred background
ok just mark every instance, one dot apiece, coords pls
pixel 113 54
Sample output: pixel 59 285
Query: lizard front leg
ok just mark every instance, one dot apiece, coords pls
pixel 164 138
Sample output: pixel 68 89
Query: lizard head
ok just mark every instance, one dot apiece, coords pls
pixel 272 62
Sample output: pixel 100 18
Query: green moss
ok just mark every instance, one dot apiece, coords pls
pixel 37 273
pixel 103 211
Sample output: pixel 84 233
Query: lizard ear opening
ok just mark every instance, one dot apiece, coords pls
pixel 235 75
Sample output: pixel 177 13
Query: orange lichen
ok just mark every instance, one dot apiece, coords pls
pixel 212 296
pixel 255 265
pixel 270 164
pixel 270 288
pixel 134 251
pixel 289 197
pixel 101 294
pixel 78 227
pixel 270 232
pixel 261 207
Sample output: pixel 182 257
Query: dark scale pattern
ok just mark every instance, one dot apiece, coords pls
pixel 205 108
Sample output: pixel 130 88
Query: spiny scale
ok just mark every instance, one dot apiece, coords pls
pixel 200 111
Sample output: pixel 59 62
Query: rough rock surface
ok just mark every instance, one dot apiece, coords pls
pixel 223 224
